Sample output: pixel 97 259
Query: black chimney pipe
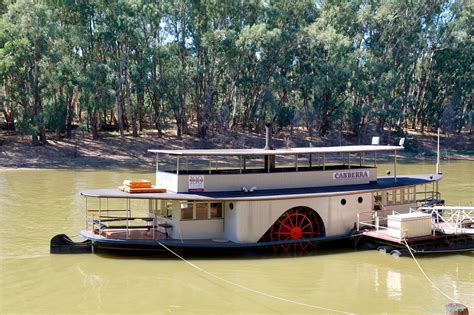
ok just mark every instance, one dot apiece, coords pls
pixel 269 159
pixel 268 137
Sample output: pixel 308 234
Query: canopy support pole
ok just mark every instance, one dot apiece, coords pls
pixel 240 164
pixel 177 165
pixel 395 165
pixel 437 155
pixel 157 162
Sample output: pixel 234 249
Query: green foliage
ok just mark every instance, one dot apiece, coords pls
pixel 237 64
pixel 55 117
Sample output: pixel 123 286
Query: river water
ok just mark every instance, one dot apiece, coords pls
pixel 37 204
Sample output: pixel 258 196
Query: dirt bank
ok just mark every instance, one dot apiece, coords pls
pixel 111 151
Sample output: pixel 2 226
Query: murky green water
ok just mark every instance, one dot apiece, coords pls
pixel 37 204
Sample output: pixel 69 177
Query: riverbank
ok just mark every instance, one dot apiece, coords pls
pixel 110 151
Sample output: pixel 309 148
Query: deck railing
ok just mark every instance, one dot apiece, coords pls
pixel 101 221
pixel 450 219
pixel 428 196
pixel 374 219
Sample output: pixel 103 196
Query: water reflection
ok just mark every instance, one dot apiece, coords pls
pixel 394 284
pixel 93 283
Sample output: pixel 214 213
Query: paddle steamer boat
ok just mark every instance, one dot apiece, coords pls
pixel 225 200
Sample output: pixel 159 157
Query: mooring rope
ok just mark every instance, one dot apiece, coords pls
pixel 250 289
pixel 426 276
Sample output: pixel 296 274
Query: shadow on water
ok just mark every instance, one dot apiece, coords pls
pixel 266 253
pixel 443 255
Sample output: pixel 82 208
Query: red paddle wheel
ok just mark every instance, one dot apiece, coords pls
pixel 298 223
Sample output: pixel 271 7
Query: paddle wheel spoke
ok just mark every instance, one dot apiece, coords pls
pixel 286 226
pixel 307 225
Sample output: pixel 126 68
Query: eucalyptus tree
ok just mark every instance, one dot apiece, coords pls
pixel 27 29
pixel 451 94
pixel 258 45
pixel 330 59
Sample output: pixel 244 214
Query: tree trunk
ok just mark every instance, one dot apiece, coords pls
pixel 133 112
pixel 69 113
pixel 179 131
pixel 34 139
pixel 119 95
pixel 37 105
pixel 182 114
pixel 326 113
pixel 307 120
pixel 140 105
pixel 205 118
pixel 7 108
pixel 93 122
pixel 157 109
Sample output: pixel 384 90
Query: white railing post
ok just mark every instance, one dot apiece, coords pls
pixel 154 225
pixel 358 222
pixel 377 220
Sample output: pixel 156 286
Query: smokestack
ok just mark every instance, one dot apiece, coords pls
pixel 268 137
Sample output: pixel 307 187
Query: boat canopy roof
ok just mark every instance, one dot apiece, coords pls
pixel 283 151
pixel 383 183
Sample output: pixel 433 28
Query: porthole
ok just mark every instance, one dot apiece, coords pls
pixel 343 202
pixel 231 206
pixel 360 200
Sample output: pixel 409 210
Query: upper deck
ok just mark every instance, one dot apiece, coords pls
pixel 383 183
pixel 219 170
pixel 282 151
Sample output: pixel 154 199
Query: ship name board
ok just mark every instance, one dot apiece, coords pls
pixel 196 183
pixel 350 175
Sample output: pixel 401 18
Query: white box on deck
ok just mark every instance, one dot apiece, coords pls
pixel 407 225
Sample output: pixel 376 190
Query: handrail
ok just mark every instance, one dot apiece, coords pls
pixel 376 220
pixel 450 219
pixel 447 208
pixel 113 210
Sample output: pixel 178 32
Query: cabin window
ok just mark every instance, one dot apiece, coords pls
pixel 163 208
pixel 390 198
pixel 411 191
pixel 360 200
pixel 202 211
pixel 187 210
pixel 398 198
pixel 169 209
pixel 343 202
pixel 409 195
pixel 406 196
pixel 216 210
pixel 378 201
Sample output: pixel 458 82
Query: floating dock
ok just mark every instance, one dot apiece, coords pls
pixel 426 230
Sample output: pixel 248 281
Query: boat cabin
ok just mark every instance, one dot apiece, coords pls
pixel 256 196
